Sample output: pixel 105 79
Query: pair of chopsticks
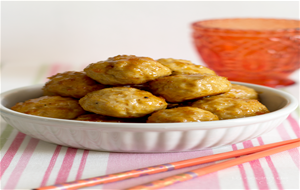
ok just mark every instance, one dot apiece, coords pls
pixel 254 153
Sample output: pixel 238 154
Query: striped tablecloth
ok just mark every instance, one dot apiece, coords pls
pixel 28 163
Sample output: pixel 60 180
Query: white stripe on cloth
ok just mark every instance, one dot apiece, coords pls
pixel 37 166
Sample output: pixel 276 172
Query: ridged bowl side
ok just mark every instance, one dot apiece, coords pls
pixel 142 141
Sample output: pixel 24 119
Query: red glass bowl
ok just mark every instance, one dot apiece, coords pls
pixel 253 50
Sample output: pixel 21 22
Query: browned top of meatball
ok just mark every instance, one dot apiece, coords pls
pixel 123 102
pixel 50 106
pixel 180 88
pixel 181 114
pixel 181 66
pixel 240 91
pixel 71 84
pixel 230 108
pixel 126 70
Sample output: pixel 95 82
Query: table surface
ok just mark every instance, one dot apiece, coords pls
pixel 28 163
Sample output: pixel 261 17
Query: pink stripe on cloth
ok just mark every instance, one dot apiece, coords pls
pixel 258 171
pixel 283 133
pixel 294 125
pixel 272 167
pixel 242 171
pixel 21 165
pixel 294 153
pixel 82 164
pixel 50 166
pixel 11 152
pixel 66 166
pixel 134 161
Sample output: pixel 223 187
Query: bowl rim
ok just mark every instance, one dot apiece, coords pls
pixel 197 25
pixel 292 104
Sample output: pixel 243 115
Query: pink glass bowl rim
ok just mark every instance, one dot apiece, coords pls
pixel 199 26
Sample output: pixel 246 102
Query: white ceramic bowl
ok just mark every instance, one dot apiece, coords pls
pixel 147 137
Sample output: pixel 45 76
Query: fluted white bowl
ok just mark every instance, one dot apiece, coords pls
pixel 147 137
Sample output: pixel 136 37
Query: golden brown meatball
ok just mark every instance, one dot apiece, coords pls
pixel 103 118
pixel 50 106
pixel 239 91
pixel 126 69
pixel 179 88
pixel 71 84
pixel 230 108
pixel 181 114
pixel 181 66
pixel 123 102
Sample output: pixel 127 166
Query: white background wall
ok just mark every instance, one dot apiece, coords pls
pixel 83 32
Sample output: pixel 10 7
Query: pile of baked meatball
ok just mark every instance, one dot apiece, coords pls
pixel 127 88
